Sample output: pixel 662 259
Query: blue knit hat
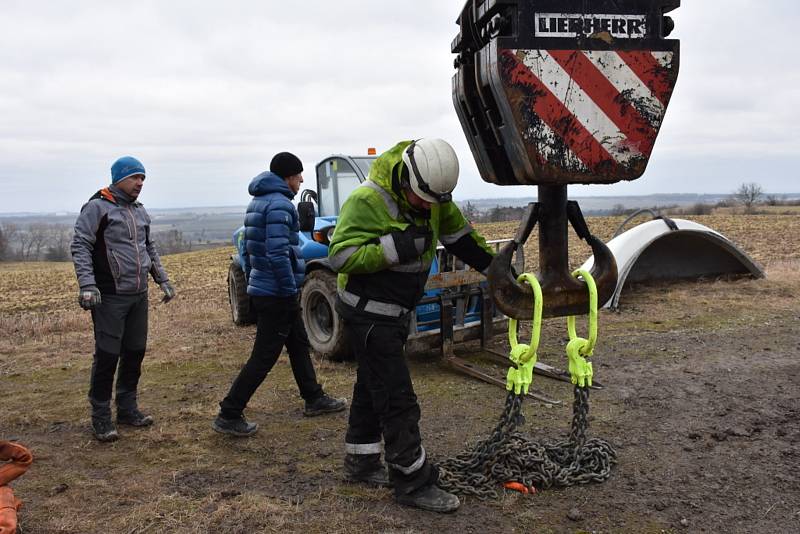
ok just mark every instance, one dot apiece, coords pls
pixel 124 167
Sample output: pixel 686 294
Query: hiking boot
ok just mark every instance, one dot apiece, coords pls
pixel 234 427
pixel 104 430
pixel 366 469
pixel 324 404
pixel 133 418
pixel 431 498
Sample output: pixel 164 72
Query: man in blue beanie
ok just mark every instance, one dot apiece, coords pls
pixel 113 253
pixel 275 270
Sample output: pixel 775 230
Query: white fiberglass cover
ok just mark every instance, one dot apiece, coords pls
pixel 654 251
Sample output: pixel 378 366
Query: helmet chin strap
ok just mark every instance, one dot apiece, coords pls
pixel 401 186
pixel 415 211
pixel 420 212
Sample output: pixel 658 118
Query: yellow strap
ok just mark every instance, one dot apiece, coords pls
pixel 587 348
pixel 536 325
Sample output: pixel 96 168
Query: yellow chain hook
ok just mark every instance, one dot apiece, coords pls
pixel 578 348
pixel 587 278
pixel 524 356
pixel 536 320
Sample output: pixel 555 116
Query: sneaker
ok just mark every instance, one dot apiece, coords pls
pixel 133 418
pixel 324 404
pixel 234 427
pixel 431 498
pixel 104 430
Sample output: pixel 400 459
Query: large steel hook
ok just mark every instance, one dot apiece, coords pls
pixel 562 293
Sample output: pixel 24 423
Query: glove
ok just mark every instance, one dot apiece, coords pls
pixel 89 297
pixel 412 242
pixel 169 291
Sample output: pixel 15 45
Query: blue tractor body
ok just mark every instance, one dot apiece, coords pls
pixel 427 314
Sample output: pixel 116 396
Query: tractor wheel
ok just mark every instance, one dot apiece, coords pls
pixel 237 295
pixel 323 324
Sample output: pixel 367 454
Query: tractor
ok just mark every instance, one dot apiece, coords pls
pixel 454 291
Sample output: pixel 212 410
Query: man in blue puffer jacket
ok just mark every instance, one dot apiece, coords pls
pixel 275 270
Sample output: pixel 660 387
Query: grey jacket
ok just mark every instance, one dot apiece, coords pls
pixel 111 246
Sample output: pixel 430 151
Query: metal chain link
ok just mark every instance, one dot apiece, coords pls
pixel 507 455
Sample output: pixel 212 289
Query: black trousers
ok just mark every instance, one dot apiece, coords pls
pixel 279 325
pixel 384 402
pixel 120 334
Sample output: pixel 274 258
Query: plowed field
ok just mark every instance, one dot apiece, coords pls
pixel 701 403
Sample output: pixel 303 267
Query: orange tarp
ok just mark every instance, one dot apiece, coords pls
pixel 19 459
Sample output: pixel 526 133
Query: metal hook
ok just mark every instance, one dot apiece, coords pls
pixel 563 294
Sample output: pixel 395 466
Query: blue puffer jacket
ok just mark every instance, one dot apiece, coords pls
pixel 274 262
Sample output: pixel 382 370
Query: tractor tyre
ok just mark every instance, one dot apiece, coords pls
pixel 323 325
pixel 237 296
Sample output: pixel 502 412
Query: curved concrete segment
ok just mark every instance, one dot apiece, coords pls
pixel 651 251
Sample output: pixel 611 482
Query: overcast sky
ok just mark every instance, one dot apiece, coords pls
pixel 204 93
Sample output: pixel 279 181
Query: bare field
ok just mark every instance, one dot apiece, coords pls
pixel 701 403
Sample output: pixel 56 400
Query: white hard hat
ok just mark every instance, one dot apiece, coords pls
pixel 433 169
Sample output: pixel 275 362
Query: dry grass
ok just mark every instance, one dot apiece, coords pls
pixel 180 477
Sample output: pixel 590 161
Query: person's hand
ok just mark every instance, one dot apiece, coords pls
pixel 89 297
pixel 412 242
pixel 169 291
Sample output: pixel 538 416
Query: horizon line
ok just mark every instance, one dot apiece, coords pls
pixel 518 199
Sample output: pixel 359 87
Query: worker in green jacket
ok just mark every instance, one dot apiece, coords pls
pixel 383 248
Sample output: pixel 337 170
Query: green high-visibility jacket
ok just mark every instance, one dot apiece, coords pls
pixel 379 207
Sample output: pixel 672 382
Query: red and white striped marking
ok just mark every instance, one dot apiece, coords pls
pixel 602 106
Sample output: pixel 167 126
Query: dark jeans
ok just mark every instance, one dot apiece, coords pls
pixel 279 325
pixel 120 334
pixel 384 402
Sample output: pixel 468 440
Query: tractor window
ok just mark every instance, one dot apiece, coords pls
pixel 336 179
pixel 364 164
pixel 325 194
pixel 346 181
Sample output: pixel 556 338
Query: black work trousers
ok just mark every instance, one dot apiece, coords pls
pixel 120 334
pixel 384 402
pixel 279 325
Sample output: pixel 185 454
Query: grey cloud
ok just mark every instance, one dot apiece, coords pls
pixel 206 92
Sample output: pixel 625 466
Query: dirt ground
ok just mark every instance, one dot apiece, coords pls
pixel 700 402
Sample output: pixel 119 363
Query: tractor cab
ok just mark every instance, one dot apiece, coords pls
pixel 337 176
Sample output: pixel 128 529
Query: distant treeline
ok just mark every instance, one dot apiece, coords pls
pixel 51 242
pixel 748 198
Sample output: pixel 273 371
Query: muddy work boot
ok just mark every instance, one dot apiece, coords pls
pixel 431 498
pixel 366 469
pixel 102 426
pixel 133 418
pixel 238 427
pixel 324 404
